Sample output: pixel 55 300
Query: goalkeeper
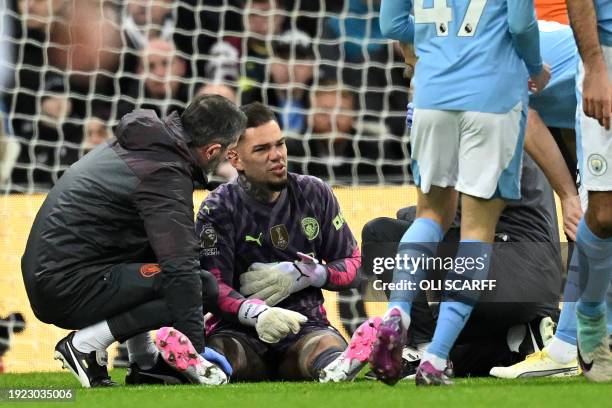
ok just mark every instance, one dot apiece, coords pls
pixel 260 236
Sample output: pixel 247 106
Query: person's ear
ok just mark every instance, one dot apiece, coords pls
pixel 209 152
pixel 234 159
pixel 213 151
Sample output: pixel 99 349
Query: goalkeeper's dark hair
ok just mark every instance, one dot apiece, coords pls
pixel 257 114
pixel 213 119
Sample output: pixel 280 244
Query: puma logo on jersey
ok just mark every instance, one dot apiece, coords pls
pixel 250 238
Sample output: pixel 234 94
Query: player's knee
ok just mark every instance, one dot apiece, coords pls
pixel 210 291
pixel 599 214
pixel 326 349
pixel 329 341
pixel 377 229
pixel 371 230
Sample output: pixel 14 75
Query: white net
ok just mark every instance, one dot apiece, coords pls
pixel 70 69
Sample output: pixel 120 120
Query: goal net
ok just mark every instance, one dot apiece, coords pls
pixel 69 70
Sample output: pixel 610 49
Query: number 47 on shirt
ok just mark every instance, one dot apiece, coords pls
pixel 441 15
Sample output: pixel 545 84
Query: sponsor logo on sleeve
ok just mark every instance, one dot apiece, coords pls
pixel 338 221
pixel 310 228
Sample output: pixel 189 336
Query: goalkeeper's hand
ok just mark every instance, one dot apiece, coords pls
pixel 271 323
pixel 274 282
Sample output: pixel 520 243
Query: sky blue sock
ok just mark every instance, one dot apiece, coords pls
pixel 566 330
pixel 421 238
pixel 595 258
pixel 454 314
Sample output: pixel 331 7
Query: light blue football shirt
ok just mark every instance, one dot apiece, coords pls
pixel 603 8
pixel 474 55
pixel 556 104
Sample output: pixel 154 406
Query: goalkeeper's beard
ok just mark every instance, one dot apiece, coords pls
pixel 259 189
pixel 277 186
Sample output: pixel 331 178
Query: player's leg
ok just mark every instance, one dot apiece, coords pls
pixel 594 239
pixel 245 353
pixel 594 243
pixel 478 220
pixel 435 144
pixel 490 157
pixel 125 305
pixel 306 358
pixel 435 212
pixel 108 295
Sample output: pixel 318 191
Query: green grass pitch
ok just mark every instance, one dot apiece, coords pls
pixel 471 392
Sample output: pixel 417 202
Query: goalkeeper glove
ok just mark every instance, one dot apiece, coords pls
pixel 274 282
pixel 271 323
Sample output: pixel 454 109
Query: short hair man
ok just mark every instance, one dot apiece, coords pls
pixel 112 252
pixel 251 232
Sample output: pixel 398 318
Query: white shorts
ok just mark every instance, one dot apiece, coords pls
pixel 594 142
pixel 478 153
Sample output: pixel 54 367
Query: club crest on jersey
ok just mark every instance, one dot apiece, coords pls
pixel 208 237
pixel 597 164
pixel 279 236
pixel 310 228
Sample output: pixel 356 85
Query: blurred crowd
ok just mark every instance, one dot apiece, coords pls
pixel 70 69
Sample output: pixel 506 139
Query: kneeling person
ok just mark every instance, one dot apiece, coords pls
pixel 112 253
pixel 260 236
